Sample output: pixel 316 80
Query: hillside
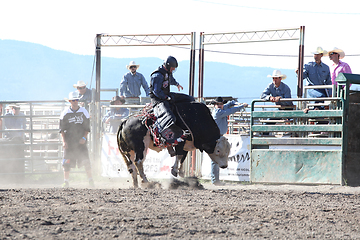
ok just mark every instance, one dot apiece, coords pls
pixel 34 72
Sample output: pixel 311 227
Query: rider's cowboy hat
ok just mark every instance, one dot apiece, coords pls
pixel 277 73
pixel 336 50
pixel 79 84
pixel 319 50
pixel 132 63
pixel 73 96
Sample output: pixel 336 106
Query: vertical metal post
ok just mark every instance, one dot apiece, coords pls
pixel 301 62
pixel 201 68
pixel 192 65
pixel 97 120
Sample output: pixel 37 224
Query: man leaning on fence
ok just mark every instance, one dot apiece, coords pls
pixel 220 114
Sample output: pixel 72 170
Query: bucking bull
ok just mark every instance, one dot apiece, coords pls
pixel 134 138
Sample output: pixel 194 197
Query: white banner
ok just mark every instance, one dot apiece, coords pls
pixel 239 160
pixel 157 165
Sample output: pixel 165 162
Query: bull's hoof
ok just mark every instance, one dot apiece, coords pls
pixel 182 174
pixel 174 172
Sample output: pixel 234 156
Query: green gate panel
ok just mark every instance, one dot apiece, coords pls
pixel 296 166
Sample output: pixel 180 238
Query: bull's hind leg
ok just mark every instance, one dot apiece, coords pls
pixel 131 168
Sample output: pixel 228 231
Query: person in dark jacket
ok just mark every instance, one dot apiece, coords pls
pixel 162 100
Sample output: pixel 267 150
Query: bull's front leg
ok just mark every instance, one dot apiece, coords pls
pixel 175 167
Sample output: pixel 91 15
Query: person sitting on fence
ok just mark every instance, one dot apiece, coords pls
pixel 85 94
pixel 275 91
pixel 115 114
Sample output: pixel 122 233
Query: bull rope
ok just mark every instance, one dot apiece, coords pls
pixel 177 110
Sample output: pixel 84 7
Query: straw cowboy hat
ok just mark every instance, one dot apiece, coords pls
pixel 132 63
pixel 79 84
pixel 72 96
pixel 277 73
pixel 339 51
pixel 319 50
pixel 13 106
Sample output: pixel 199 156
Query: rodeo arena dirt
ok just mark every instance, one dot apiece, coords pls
pixel 189 210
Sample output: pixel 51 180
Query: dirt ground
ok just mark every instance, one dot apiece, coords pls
pixel 190 210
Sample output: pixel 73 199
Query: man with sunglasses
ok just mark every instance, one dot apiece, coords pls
pixel 74 129
pixel 339 66
pixel 85 94
pixel 131 83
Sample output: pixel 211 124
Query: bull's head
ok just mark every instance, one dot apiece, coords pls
pixel 221 152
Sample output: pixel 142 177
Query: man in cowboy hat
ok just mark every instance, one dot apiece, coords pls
pixel 277 90
pixel 132 82
pixel 85 94
pixel 317 73
pixel 115 114
pixel 220 114
pixel 339 66
pixel 74 129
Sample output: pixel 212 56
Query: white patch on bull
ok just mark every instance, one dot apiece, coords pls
pixel 221 152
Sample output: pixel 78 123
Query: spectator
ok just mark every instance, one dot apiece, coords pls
pixel 220 114
pixel 132 82
pixel 14 120
pixel 115 114
pixel 74 129
pixel 277 90
pixel 339 66
pixel 317 73
pixel 85 94
pixel 15 152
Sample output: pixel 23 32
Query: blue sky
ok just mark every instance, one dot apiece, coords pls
pixel 72 26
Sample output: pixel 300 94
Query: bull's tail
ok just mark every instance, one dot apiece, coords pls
pixel 123 147
pixel 121 141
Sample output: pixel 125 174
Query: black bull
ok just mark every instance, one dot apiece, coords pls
pixel 134 139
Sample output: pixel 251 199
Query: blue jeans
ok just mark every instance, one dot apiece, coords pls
pixel 317 93
pixel 214 172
